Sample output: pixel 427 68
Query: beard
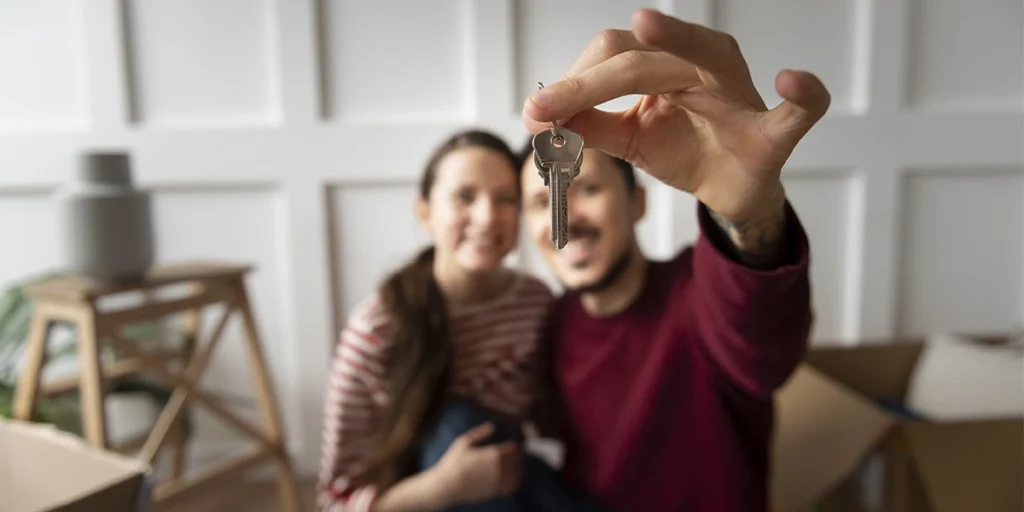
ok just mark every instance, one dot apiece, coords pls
pixel 614 272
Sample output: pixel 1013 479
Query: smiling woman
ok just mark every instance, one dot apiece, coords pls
pixel 469 204
pixel 432 375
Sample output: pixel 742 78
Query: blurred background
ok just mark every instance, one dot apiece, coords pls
pixel 288 134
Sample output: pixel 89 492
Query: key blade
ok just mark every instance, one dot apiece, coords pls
pixel 564 147
pixel 560 179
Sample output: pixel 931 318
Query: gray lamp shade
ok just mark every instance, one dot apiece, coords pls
pixel 105 222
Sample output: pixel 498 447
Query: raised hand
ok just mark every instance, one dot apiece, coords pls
pixel 701 125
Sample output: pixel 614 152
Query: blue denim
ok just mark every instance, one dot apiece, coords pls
pixel 541 489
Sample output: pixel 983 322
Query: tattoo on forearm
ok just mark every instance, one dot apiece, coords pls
pixel 756 243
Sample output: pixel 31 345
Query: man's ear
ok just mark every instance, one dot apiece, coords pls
pixel 422 212
pixel 639 203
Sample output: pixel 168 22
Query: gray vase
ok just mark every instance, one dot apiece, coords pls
pixel 106 223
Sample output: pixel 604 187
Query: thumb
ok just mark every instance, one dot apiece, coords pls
pixel 477 434
pixel 805 102
pixel 607 131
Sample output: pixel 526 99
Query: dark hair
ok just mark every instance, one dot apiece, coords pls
pixel 625 168
pixel 418 362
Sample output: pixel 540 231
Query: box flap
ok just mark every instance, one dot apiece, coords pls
pixel 822 432
pixel 37 455
pixel 971 465
pixel 875 370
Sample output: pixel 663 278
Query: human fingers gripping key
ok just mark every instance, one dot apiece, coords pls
pixel 472 472
pixel 700 125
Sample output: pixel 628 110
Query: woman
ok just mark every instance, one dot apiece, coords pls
pixel 430 378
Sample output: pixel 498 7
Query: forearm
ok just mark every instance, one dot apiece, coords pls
pixel 754 321
pixel 422 492
pixel 757 242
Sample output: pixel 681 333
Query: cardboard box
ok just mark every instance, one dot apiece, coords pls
pixel 44 469
pixel 844 403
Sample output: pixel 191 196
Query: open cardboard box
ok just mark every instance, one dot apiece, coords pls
pixel 835 411
pixel 45 469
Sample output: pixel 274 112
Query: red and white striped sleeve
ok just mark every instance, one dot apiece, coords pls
pixel 356 377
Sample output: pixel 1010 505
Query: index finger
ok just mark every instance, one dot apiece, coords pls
pixel 648 73
pixel 704 47
pixel 606 45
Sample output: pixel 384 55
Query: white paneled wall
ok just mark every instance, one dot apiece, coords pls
pixel 290 133
pixel 193 63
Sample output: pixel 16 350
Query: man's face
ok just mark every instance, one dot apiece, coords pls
pixel 602 213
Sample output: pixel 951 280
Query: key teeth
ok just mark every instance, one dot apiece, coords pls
pixel 561 234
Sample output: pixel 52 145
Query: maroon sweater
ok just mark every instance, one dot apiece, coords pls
pixel 668 405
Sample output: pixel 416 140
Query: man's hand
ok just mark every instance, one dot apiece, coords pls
pixel 701 125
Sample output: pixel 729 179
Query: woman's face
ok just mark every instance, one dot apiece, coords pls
pixel 472 212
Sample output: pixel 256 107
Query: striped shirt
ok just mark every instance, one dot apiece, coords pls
pixel 493 344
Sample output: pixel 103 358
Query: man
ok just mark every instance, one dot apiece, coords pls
pixel 662 373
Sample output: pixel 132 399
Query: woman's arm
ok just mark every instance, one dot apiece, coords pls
pixel 466 473
pixel 349 412
pixel 422 492
pixel 348 418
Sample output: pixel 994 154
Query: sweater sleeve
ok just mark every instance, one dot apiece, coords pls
pixel 348 414
pixel 755 324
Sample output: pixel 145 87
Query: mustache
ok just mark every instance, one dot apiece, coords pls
pixel 582 231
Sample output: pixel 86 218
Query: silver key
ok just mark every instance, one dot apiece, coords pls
pixel 558 155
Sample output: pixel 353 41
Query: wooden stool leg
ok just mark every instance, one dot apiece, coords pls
pixel 27 392
pixel 94 417
pixel 268 403
pixel 193 323
pixel 179 458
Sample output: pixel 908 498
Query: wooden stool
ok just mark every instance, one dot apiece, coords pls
pixel 74 299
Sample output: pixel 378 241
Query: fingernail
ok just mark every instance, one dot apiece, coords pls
pixel 541 98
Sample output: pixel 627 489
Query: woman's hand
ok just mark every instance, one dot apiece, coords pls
pixel 468 473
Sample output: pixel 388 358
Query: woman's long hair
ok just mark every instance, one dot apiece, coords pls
pixel 418 363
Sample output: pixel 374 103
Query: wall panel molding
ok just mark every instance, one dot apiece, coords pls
pixel 302 115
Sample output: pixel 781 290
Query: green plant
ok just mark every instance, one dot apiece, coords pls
pixel 61 411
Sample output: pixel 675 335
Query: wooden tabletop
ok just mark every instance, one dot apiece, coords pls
pixel 78 288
